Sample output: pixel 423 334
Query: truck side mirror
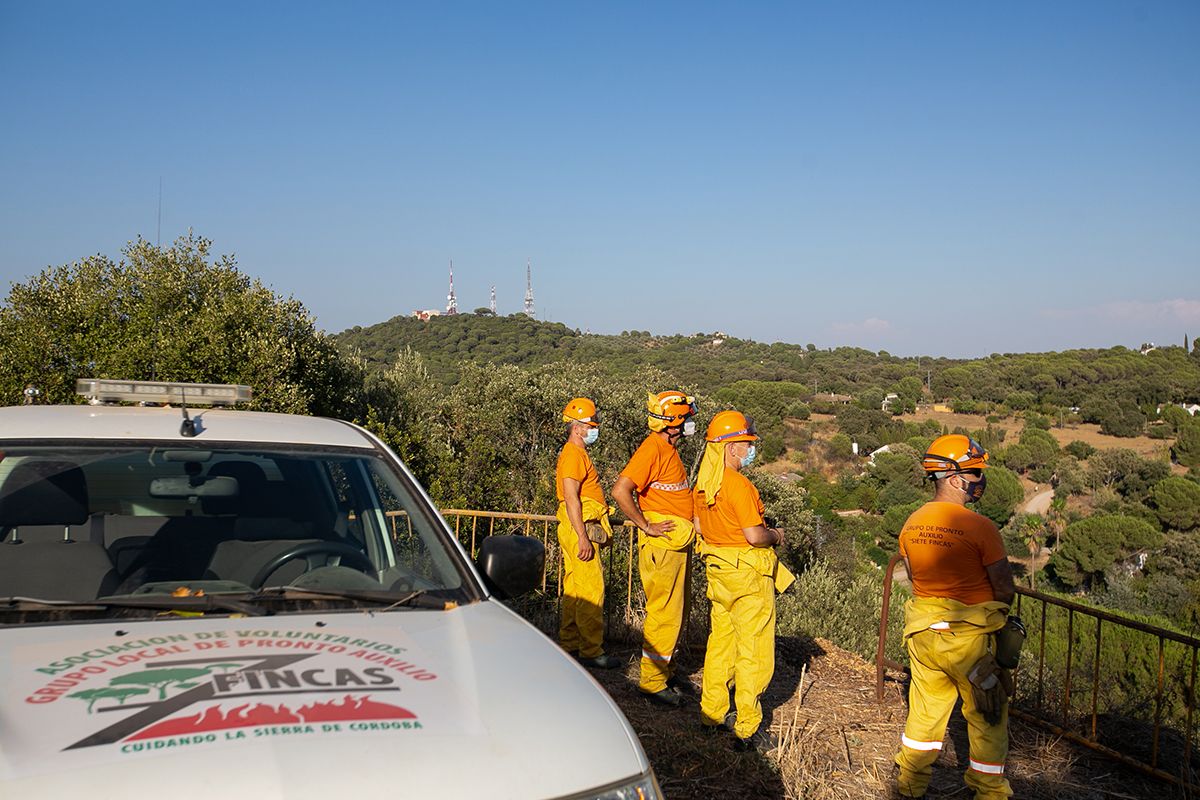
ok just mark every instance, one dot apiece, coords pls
pixel 511 565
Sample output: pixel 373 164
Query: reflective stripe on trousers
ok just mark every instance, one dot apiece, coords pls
pixel 913 744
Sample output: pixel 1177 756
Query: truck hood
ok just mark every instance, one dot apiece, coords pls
pixel 470 701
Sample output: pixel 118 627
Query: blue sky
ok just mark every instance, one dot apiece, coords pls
pixel 925 177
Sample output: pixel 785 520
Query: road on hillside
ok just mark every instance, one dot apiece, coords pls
pixel 1038 504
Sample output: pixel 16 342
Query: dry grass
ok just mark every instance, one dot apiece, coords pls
pixel 837 743
pixel 1083 432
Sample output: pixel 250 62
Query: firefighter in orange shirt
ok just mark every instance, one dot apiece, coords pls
pixel 580 505
pixel 653 493
pixel 743 575
pixel 962 588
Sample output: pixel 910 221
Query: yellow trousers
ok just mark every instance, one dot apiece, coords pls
pixel 741 644
pixel 664 577
pixel 581 628
pixel 940 662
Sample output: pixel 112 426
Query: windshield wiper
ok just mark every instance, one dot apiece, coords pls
pixel 200 604
pixel 415 599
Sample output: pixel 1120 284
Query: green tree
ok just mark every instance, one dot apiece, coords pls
pixel 1175 417
pixel 910 391
pixel 871 398
pixel 1018 457
pixel 1091 546
pixel 1176 501
pixel 1115 418
pixel 1081 450
pixel 1019 401
pixel 839 446
pixel 1001 496
pixel 1068 477
pixel 1187 444
pixel 1125 472
pixel 170 314
pixel 1043 447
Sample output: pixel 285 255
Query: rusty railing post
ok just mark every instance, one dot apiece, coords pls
pixel 880 665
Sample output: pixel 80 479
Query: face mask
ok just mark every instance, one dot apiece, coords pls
pixel 748 459
pixel 689 427
pixel 975 490
pixel 591 436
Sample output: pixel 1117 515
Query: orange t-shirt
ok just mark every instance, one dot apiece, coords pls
pixel 738 506
pixel 949 548
pixel 574 462
pixel 661 481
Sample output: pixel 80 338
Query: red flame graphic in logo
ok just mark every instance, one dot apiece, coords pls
pixel 247 715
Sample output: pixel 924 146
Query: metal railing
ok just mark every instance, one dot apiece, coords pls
pixel 1138 698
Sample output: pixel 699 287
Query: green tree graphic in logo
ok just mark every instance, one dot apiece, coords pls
pixel 162 679
pixel 118 693
pixel 125 686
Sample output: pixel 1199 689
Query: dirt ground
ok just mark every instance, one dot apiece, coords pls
pixel 837 742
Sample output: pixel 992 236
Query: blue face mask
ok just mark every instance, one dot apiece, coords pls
pixel 748 459
pixel 591 436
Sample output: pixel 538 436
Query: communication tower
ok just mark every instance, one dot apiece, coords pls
pixel 493 303
pixel 451 302
pixel 528 289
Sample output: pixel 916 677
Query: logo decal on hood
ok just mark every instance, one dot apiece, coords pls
pixel 123 695
pixel 209 679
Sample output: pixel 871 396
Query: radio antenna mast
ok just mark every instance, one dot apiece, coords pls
pixel 528 289
pixel 451 302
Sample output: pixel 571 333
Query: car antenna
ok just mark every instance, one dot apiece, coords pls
pixel 188 426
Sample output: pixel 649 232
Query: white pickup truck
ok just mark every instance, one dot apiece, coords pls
pixel 228 604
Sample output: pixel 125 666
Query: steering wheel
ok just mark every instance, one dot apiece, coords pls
pixel 316 554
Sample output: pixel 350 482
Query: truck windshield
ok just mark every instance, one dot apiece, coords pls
pixel 83 522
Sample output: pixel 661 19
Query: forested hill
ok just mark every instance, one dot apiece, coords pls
pixel 710 361
pixel 705 360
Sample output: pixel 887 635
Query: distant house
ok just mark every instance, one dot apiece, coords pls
pixel 1147 347
pixel 1190 408
pixel 424 315
pixel 830 397
pixel 886 405
pixel 1134 564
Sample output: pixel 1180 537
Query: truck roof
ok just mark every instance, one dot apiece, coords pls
pixel 213 424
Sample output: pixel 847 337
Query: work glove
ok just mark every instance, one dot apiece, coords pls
pixel 991 686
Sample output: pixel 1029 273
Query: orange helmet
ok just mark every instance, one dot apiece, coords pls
pixel 731 426
pixel 954 453
pixel 582 410
pixel 669 409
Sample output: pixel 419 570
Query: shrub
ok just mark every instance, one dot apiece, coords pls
pixel 1081 450
pixel 845 611
pixel 1035 421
